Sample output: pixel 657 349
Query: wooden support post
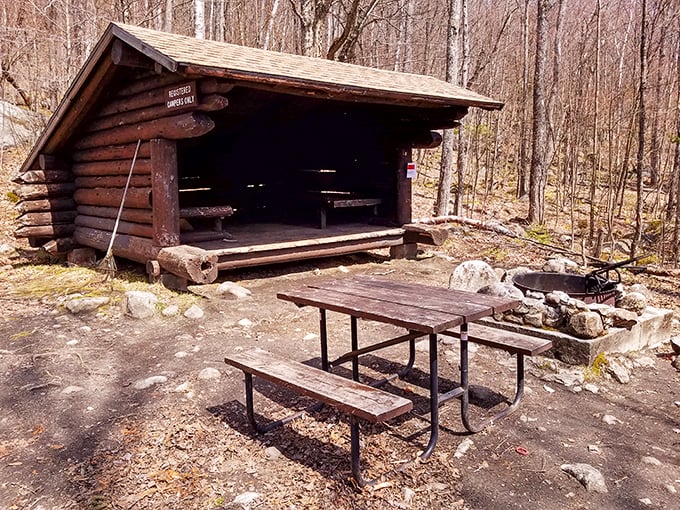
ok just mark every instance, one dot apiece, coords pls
pixel 165 192
pixel 403 215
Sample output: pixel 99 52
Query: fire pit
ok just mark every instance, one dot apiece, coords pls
pixel 589 289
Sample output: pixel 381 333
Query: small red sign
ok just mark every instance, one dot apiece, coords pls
pixel 411 172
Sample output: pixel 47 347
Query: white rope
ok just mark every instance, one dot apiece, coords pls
pixel 122 203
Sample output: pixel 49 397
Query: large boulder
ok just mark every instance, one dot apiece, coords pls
pixel 472 275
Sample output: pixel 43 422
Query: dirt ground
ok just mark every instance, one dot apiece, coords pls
pixel 79 430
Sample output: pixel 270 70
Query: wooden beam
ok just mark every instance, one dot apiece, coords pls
pixel 41 191
pixel 43 177
pixel 128 214
pixel 123 55
pixel 165 186
pixel 117 167
pixel 46 231
pixel 195 264
pixel 185 125
pixel 127 246
pixel 425 234
pixel 113 181
pixel 139 198
pixel 113 152
pixel 107 224
pixel 403 191
pixel 45 218
pixel 46 204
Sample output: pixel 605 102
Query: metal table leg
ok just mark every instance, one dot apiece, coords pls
pixel 355 346
pixel 323 332
pixel 434 398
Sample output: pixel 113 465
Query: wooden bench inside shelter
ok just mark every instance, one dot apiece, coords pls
pixel 355 399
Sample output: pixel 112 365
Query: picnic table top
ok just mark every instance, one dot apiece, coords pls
pixel 417 307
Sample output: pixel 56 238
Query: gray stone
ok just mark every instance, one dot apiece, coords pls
pixel 170 311
pixel 557 298
pixel 533 318
pixel 622 318
pixel 535 295
pixel 232 290
pixel 587 475
pixel 560 265
pixel 139 304
pixel 675 344
pixel 553 317
pixel 676 363
pixel 85 305
pixel 618 371
pixel 150 381
pixel 586 325
pixel 501 289
pixel 194 312
pixel 642 289
pixel 8 251
pixel 511 273
pixel 472 275
pixel 209 373
pixel 272 453
pixel 633 301
pixel 652 461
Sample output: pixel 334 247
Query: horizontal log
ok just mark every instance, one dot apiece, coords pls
pixel 425 140
pixel 126 246
pixel 117 167
pixel 209 103
pixel 107 224
pixel 40 191
pixel 134 215
pixel 195 264
pixel 113 181
pixel 139 198
pixel 199 236
pixel 59 246
pixel 217 211
pixel 47 204
pixel 149 82
pixel 113 152
pixel 47 231
pixel 51 162
pixel 177 127
pixel 43 177
pixel 425 234
pixel 45 218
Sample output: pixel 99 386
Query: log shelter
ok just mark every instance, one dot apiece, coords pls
pixel 227 156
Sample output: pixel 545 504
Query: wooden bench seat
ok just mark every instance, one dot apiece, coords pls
pixel 515 343
pixel 326 200
pixel 352 398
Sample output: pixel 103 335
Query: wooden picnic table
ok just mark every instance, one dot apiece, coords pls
pixel 420 309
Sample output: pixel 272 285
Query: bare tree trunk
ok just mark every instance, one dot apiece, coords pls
pixel 523 149
pixel 637 236
pixel 463 140
pixel 594 179
pixel 538 175
pixel 199 19
pixel 270 24
pixel 446 165
pixel 167 25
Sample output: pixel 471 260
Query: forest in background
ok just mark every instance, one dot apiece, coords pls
pixel 590 131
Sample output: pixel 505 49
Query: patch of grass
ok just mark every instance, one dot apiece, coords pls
pixel 597 368
pixel 12 197
pixel 539 233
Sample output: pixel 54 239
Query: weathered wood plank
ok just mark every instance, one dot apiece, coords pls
pixel 47 231
pixel 185 125
pixel 113 152
pixel 515 343
pixel 403 191
pixel 215 211
pixel 43 177
pixel 353 398
pixel 165 186
pixel 45 218
pixel 194 264
pixel 47 204
pixel 113 181
pixel 139 198
pixel 128 214
pixel 116 167
pixel 41 191
pixel 130 247
pixel 425 234
pixel 107 224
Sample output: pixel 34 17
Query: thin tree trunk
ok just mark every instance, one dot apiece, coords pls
pixel 594 179
pixel 637 236
pixel 524 125
pixel 199 19
pixel 447 159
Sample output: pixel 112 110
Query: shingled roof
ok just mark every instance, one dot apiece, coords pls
pixel 285 72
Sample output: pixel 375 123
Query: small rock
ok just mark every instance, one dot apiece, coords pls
pixel 633 301
pixel 170 311
pixel 69 390
pixel 586 324
pixel 245 323
pixel 642 289
pixel 233 291
pixel 618 371
pixel 463 447
pixel 675 344
pixel 343 269
pixel 73 342
pixel 246 498
pixel 139 304
pixel 272 453
pixel 676 363
pixel 548 388
pixel 622 318
pixel 592 388
pixel 181 354
pixel 310 336
pixel 652 461
pixel 150 381
pixel 85 305
pixel 194 312
pixel 594 448
pixel 408 495
pixel 587 475
pixel 472 275
pixel 7 250
pixel 504 290
pixel 209 373
pixel 646 501
pixel 185 387
pixel 671 488
pixel 610 420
